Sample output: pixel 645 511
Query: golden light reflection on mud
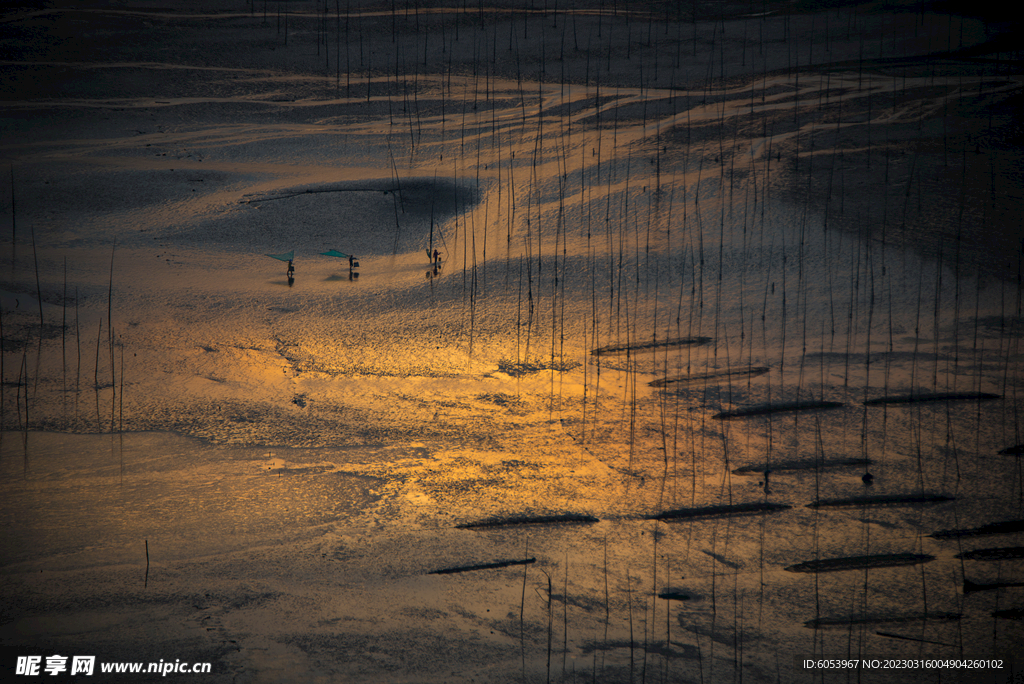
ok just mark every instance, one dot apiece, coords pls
pixel 720 333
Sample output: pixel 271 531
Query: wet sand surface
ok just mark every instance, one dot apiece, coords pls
pixel 506 467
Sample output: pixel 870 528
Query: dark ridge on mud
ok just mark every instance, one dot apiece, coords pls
pixel 883 560
pixel 940 396
pixel 802 465
pixel 442 196
pixel 1004 527
pixel 881 500
pixel 674 596
pixel 906 638
pixel 1016 450
pixel 880 619
pixel 676 650
pixel 485 566
pixel 529 520
pixel 711 375
pixel 721 559
pixel 1009 614
pixel 517 369
pixel 970 586
pixel 653 344
pixel 719 511
pixel 1003 553
pixel 765 409
pixel 309 191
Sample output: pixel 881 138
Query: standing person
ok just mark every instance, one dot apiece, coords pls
pixel 437 258
pixel 291 270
